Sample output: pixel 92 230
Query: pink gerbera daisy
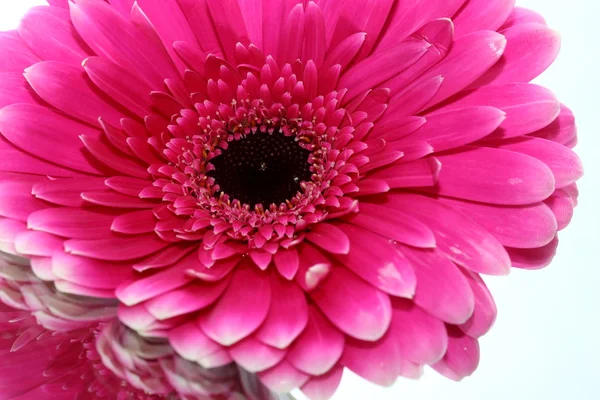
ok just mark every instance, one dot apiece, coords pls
pixel 295 186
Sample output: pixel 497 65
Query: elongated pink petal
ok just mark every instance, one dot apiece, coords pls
pixel 457 236
pixel 561 204
pixel 33 243
pixel 378 261
pixel 49 33
pixel 282 327
pixel 530 50
pixel 67 192
pixel 521 227
pixel 287 262
pixel 355 307
pixel 528 107
pixel 15 89
pixel 16 201
pixel 283 378
pixel 447 130
pixel 319 347
pixel 442 290
pixel 480 15
pixel 118 248
pixel 393 224
pixel 537 258
pixel 16 56
pixel 418 173
pixel 46 134
pixel 73 223
pixel 242 308
pixel 494 176
pixel 90 273
pixel 520 15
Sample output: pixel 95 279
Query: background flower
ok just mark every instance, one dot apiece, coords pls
pixel 406 135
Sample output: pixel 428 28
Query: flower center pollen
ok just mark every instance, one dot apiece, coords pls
pixel 262 168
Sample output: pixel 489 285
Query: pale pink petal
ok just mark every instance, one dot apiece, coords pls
pixel 283 378
pixel 33 243
pixel 191 343
pixel 242 308
pixel 354 306
pixel 323 387
pixel 255 356
pixel 319 347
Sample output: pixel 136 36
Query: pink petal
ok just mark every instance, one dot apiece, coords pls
pixel 355 307
pixel 520 15
pixel 116 248
pixel 89 273
pixel 442 290
pixel 319 347
pixel 67 192
pixel 135 223
pixel 16 201
pixel 462 357
pixel 188 299
pixel 292 36
pixel 494 176
pixel 530 50
pixel 48 135
pixel 229 24
pixel 282 327
pixel 255 356
pixel 537 258
pixel 528 107
pixel 563 162
pixel 480 15
pixel 345 52
pixel 16 56
pixel 199 19
pixel 562 130
pixel 112 159
pixel 73 223
pixel 313 269
pixel 12 159
pixel 323 387
pixel 170 24
pixel 68 88
pixel 111 36
pixel 49 33
pixel 447 130
pixel 360 78
pixel 421 338
pixel 15 89
pixel 561 204
pixel 287 262
pixel 484 314
pixel 314 37
pixel 191 343
pixel 377 261
pixel 145 288
pixel 457 236
pixel 283 378
pixel 242 308
pixel 418 173
pixel 483 49
pixel 393 224
pixel 522 226
pixel 118 83
pixel 330 238
pixel 33 243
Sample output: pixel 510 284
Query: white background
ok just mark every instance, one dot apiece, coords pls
pixel 545 342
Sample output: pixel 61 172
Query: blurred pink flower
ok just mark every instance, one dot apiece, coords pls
pixel 296 186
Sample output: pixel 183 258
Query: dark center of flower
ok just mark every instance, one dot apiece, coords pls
pixel 262 169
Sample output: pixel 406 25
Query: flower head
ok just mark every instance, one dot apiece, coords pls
pixel 296 186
